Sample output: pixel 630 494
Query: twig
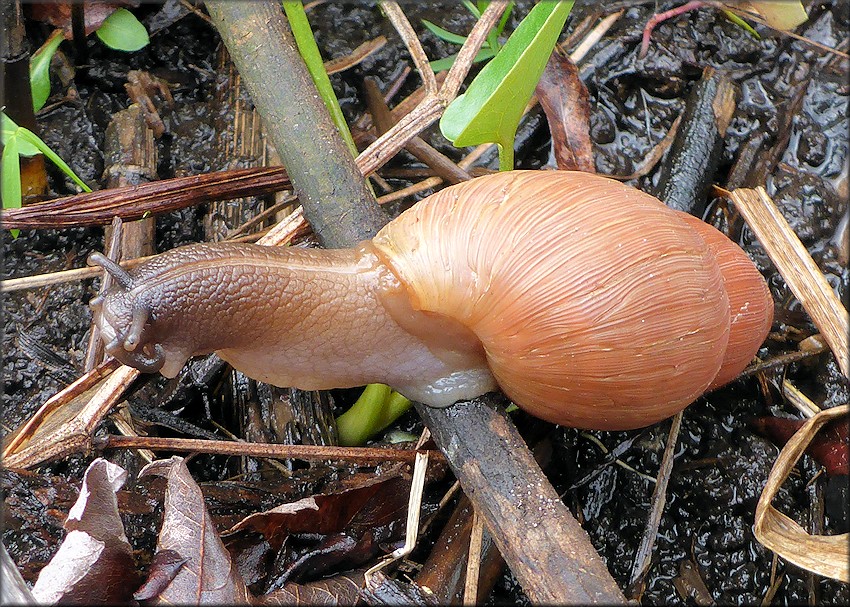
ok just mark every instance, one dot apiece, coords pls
pixel 359 455
pixel 135 202
pixel 473 561
pixel 411 41
pixel 431 108
pixel 659 499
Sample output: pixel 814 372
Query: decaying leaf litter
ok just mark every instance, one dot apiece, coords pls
pixel 724 463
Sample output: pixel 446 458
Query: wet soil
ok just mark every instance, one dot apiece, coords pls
pixel 793 98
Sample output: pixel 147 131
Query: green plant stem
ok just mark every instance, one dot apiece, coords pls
pixel 309 50
pixel 376 409
pixel 506 156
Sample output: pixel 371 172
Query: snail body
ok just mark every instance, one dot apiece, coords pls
pixel 588 302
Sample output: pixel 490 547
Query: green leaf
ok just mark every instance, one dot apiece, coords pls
pixel 309 50
pixel 741 23
pixel 40 70
pixel 30 137
pixel 377 407
pixel 490 110
pixel 9 131
pixel 472 8
pixel 446 62
pixel 444 34
pixel 123 32
pixel 10 182
pixel 504 20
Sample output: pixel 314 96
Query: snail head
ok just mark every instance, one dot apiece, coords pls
pixel 124 319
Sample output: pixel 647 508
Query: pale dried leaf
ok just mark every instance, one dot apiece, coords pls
pixel 826 555
pixel 94 564
pixel 798 269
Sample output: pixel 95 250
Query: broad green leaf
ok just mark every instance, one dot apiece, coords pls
pixel 10 182
pixel 444 34
pixel 446 62
pixel 123 32
pixel 40 70
pixel 492 106
pixel 9 131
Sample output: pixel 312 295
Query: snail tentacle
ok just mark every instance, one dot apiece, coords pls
pixel 119 274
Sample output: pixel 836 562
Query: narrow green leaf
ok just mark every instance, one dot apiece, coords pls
pixel 443 34
pixel 309 50
pixel 10 130
pixel 40 70
pixel 10 182
pixel 446 62
pixel 492 106
pixel 472 8
pixel 30 137
pixel 123 32
pixel 505 16
pixel 741 23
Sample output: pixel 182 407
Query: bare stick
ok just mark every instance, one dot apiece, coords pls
pixel 359 455
pixel 411 41
pixel 643 556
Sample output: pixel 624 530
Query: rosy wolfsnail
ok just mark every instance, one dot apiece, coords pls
pixel 588 302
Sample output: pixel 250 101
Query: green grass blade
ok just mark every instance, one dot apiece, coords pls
pixel 309 50
pixel 10 181
pixel 10 129
pixel 472 8
pixel 443 34
pixel 741 23
pixel 446 62
pixel 33 139
pixel 505 16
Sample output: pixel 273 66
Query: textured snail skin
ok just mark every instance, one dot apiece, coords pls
pixel 589 303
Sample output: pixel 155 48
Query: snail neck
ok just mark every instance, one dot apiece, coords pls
pixel 317 319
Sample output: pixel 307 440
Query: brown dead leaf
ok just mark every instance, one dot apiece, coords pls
pixel 163 569
pixel 64 425
pixel 321 533
pixel 209 575
pixel 381 590
pixel 565 100
pixel 338 590
pixel 58 14
pixel 94 564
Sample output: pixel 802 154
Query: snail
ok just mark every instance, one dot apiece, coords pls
pixel 588 302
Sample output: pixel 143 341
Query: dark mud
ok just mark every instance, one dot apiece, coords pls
pixel 792 100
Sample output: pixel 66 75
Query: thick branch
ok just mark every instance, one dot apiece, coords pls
pixel 329 185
